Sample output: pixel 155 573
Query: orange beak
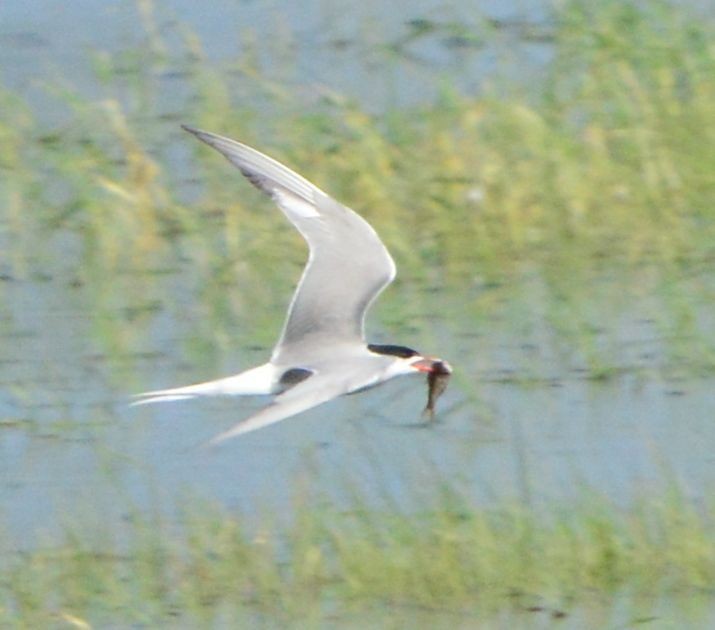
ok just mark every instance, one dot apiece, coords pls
pixel 425 364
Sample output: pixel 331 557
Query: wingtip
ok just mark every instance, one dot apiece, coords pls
pixel 210 446
pixel 193 130
pixel 243 427
pixel 205 136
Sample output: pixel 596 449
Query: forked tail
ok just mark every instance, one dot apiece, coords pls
pixel 257 381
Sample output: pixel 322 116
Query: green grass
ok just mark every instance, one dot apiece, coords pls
pixel 212 566
pixel 610 156
pixel 550 209
pixel 605 165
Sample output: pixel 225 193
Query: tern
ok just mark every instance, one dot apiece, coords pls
pixel 322 352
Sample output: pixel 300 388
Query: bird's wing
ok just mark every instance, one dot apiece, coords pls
pixel 347 267
pixel 312 392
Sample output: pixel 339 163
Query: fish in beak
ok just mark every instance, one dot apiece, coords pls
pixel 438 373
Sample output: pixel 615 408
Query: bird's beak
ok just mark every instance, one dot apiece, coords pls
pixel 432 364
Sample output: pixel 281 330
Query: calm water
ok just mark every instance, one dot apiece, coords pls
pixel 69 441
pixel 72 352
pixel 311 48
pixel 520 421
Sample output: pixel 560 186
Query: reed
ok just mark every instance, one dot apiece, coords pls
pixel 214 566
pixel 550 209
pixel 609 158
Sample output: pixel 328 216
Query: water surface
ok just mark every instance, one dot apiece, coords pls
pixel 550 397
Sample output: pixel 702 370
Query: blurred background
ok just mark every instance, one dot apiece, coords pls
pixel 544 176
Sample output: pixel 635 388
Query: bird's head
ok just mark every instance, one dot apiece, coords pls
pixel 410 360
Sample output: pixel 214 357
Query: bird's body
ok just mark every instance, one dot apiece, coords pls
pixel 321 353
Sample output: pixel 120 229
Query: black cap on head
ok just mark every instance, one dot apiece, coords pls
pixel 396 351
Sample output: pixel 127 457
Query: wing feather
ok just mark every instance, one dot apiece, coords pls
pixel 348 264
pixel 310 393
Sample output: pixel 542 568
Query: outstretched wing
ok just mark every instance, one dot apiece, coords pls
pixel 348 264
pixel 310 393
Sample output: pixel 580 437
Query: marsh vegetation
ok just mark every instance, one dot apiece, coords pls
pixel 570 208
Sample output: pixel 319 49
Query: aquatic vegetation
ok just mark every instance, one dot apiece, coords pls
pixel 572 213
pixel 214 567
pixel 605 165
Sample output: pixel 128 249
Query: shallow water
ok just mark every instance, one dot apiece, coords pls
pixel 524 417
pixel 538 410
pixel 369 51
pixel 518 421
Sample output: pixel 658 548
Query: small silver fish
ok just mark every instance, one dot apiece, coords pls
pixel 437 380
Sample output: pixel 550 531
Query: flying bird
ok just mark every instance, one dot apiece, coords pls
pixel 322 352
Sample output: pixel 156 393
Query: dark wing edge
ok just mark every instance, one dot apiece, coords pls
pixel 263 172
